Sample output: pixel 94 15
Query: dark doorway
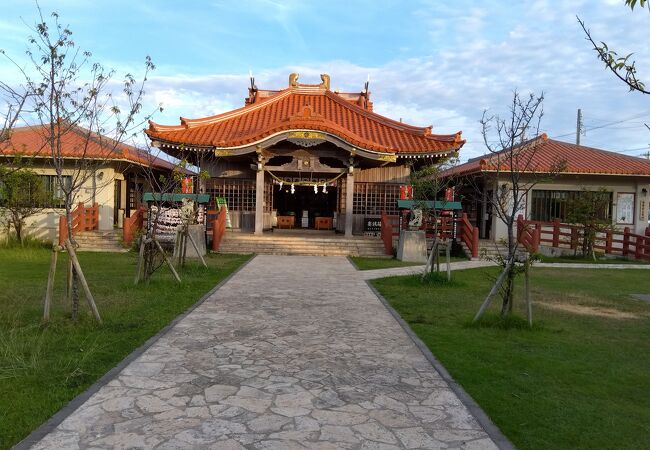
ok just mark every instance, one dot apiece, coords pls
pixel 304 198
pixel 117 202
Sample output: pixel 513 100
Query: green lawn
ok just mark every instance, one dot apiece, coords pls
pixel 589 260
pixel 368 263
pixel 42 368
pixel 580 379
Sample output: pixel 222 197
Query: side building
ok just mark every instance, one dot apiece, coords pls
pixel 625 178
pixel 116 184
pixel 304 156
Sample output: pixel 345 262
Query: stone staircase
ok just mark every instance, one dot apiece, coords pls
pixel 316 244
pixel 100 241
pixel 490 249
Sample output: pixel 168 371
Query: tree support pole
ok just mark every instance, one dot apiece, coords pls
pixel 492 292
pixel 529 305
pixel 50 285
pixel 196 248
pixel 169 263
pixel 140 260
pixel 448 255
pixel 82 279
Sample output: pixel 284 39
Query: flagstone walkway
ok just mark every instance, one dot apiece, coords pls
pixel 290 353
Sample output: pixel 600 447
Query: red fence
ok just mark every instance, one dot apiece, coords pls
pixel 84 218
pixel 132 225
pixel 218 227
pixel 561 235
pixel 445 227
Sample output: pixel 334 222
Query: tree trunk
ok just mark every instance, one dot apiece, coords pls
pixel 74 294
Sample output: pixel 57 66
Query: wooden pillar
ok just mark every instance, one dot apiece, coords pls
pixel 259 197
pixel 349 204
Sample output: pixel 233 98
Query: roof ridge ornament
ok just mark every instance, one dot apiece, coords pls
pixel 325 84
pixel 293 79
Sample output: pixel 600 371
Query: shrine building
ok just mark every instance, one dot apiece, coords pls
pixel 304 157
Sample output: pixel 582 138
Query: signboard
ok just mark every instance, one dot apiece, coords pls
pixel 221 201
pixel 372 225
pixel 625 208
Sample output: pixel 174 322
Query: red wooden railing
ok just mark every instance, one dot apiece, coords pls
pixel 528 236
pixel 561 235
pixel 132 225
pixel 387 232
pixel 468 234
pixel 84 218
pixel 218 228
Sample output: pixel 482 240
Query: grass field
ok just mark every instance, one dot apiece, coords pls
pixel 580 379
pixel 588 260
pixel 368 263
pixel 44 367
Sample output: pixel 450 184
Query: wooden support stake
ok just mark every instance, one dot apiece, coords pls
pixel 529 306
pixel 68 281
pixel 77 267
pixel 50 285
pixel 140 260
pixel 196 248
pixel 169 263
pixel 448 255
pixel 492 292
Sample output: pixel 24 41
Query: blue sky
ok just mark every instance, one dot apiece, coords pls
pixel 430 62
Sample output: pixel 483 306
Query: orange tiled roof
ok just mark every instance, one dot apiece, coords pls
pixel 310 107
pixel 547 153
pixel 31 141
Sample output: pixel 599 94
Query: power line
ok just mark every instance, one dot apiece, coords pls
pixel 606 125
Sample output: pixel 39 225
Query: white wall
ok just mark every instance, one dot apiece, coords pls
pixel 45 225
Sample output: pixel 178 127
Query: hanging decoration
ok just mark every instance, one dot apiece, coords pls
pixel 315 189
pixel 324 188
pixel 293 189
pixel 301 183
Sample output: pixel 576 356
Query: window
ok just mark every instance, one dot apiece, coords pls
pixel 547 206
pixel 238 192
pixel 373 198
pixel 55 194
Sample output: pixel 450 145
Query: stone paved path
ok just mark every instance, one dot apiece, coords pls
pixel 291 353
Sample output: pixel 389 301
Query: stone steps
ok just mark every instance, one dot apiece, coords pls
pixel 100 241
pixel 279 244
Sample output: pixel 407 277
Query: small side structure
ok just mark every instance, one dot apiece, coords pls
pixel 113 193
pixel 626 178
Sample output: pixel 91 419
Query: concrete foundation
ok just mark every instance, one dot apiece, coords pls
pixel 412 246
pixel 198 234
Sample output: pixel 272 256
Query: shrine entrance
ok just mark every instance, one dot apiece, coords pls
pixel 305 206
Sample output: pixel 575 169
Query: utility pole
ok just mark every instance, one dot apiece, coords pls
pixel 578 126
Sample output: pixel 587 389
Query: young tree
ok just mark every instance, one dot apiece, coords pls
pixel 68 92
pixel 590 209
pixel 22 195
pixel 429 185
pixel 151 253
pixel 512 157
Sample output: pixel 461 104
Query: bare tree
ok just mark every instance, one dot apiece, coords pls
pixel 69 93
pixel 512 159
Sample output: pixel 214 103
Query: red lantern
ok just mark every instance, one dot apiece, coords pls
pixel 406 192
pixel 187 185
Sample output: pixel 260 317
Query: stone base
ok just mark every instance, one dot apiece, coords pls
pixel 412 246
pixel 198 234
